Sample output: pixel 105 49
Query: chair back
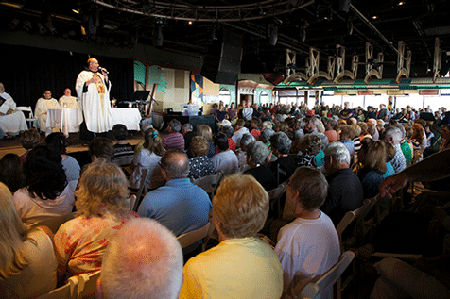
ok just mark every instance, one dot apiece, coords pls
pixel 87 285
pixel 67 291
pixel 209 183
pixel 274 199
pixel 202 234
pixel 329 278
pixel 141 191
pixel 54 223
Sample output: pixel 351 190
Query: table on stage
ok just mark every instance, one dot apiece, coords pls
pixel 69 119
pixel 65 119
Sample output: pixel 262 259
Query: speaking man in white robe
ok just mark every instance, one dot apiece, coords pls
pixel 12 121
pixel 42 106
pixel 93 88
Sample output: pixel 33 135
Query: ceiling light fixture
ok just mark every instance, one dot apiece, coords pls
pixel 401 3
pixel 374 17
pixel 190 22
pixel 75 10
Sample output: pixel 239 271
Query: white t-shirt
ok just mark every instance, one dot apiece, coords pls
pixel 35 210
pixel 225 162
pixel 306 248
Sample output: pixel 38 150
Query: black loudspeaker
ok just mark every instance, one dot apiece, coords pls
pixel 222 62
pixel 344 5
pixel 427 116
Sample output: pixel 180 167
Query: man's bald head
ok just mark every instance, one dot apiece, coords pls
pixel 175 164
pixel 144 260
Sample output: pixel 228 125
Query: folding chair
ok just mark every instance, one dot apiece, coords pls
pixel 31 121
pixel 87 285
pixel 202 234
pixel 68 291
pixel 328 279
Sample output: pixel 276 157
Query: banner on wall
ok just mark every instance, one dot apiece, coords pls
pixel 196 89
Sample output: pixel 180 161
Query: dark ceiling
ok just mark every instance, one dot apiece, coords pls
pixel 301 24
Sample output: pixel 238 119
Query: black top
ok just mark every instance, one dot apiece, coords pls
pixel 287 164
pixel 345 193
pixel 264 176
pixel 187 139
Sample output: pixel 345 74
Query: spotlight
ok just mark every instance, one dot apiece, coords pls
pixel 27 25
pixel 374 17
pixel 214 31
pixel 401 3
pixel 190 23
pixel 13 23
pixel 42 29
pixel 272 34
pixel 158 35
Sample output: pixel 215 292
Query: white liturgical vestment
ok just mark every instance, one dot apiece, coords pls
pixel 68 102
pixel 13 122
pixel 94 102
pixel 40 112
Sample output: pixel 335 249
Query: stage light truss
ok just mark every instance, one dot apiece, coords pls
pixel 230 13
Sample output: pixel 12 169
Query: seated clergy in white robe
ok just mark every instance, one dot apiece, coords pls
pixel 11 121
pixel 67 100
pixel 42 105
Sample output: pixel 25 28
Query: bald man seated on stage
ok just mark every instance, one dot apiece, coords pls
pixel 143 260
pixel 12 121
pixel 67 100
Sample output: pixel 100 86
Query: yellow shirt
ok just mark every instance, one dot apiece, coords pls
pixel 237 268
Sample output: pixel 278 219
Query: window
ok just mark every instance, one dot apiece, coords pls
pixel 225 96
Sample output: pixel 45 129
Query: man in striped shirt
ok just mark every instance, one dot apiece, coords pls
pixel 174 140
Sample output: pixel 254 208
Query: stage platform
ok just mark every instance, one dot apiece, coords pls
pixel 75 149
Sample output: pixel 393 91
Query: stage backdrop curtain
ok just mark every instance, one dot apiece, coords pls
pixel 27 71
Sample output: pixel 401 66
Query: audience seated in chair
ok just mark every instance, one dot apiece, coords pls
pixel 148 158
pixel 10 172
pixel 101 148
pixel 200 165
pixel 179 205
pixel 241 152
pixel 47 193
pixel 58 142
pixel 174 140
pixel 29 139
pixel 257 153
pixel 241 265
pixel 102 208
pixel 309 245
pixel 27 258
pixel 123 151
pixel 372 157
pixel 143 260
pixel 280 146
pixel 394 136
pixel 345 192
pixel 225 160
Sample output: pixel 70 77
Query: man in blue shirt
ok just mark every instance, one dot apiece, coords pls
pixel 179 205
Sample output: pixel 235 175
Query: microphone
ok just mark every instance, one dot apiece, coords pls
pixel 103 70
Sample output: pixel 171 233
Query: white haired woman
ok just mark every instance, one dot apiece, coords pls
pixel 103 207
pixel 27 259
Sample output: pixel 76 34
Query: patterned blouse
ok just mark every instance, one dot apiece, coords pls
pixel 200 167
pixel 80 243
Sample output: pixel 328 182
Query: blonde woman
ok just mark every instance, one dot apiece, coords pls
pixel 206 132
pixel 103 207
pixel 27 259
pixel 148 158
pixel 240 210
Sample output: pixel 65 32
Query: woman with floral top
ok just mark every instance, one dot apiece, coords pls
pixel 200 165
pixel 103 207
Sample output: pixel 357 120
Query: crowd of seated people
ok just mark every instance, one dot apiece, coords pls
pixel 347 155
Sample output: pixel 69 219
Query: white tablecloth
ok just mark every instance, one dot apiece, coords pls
pixel 131 117
pixel 68 119
pixel 65 119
